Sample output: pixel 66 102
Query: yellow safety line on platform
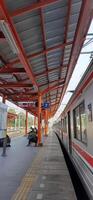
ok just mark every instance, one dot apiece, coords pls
pixel 29 178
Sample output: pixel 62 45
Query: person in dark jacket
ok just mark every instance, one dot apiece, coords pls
pixel 32 136
pixel 8 141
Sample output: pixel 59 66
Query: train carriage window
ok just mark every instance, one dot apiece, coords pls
pixel 83 122
pixel 65 124
pixel 79 117
pixel 77 123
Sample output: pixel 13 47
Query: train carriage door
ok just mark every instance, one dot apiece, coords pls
pixel 69 132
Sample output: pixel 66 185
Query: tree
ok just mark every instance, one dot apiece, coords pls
pixel 11 122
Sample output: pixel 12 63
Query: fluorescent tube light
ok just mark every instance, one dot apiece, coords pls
pixel 4 27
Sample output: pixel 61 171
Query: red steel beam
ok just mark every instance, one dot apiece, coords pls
pixel 46 71
pixel 12 70
pixel 60 46
pixel 27 99
pixel 51 82
pixel 66 32
pixel 53 98
pixel 32 7
pixel 86 15
pixel 21 55
pixel 44 40
pixel 49 89
pixel 15 85
pixel 23 94
pixel 80 89
pixel 55 103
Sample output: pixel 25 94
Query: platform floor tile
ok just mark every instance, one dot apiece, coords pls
pixel 48 178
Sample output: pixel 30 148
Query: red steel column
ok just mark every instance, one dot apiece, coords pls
pixel 26 125
pixel 46 122
pixel 34 121
pixel 4 99
pixel 39 120
pixel 5 139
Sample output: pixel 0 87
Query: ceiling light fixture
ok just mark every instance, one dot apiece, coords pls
pixel 4 27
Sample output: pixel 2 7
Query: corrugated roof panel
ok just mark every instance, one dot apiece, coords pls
pixel 60 90
pixel 29 33
pixel 23 77
pixel 63 74
pixel 70 36
pixel 50 33
pixel 28 23
pixel 72 28
pixel 56 40
pixel 53 76
pixel 54 60
pixel 56 52
pixel 38 64
pixel 73 18
pixel 53 25
pixel 8 77
pixel 54 92
pixel 66 55
pixel 53 98
pixel 55 17
pixel 18 65
pixel 6 51
pixel 43 87
pixel 54 57
pixel 75 9
pixel 64 69
pixel 65 62
pixel 76 6
pixel 67 51
pixel 36 47
pixel 52 64
pixel 25 16
pixel 53 101
pixel 51 16
pixel 13 5
pixel 31 30
pixel 60 3
pixel 37 59
pixel 68 48
pixel 38 68
pixel 42 80
pixel 54 73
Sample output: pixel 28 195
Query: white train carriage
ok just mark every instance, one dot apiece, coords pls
pixel 77 129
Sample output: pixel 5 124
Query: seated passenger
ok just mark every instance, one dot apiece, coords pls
pixel 32 137
pixel 35 130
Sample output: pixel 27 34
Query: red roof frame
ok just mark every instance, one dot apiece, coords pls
pixel 24 58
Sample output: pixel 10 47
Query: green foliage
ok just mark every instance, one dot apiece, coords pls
pixel 12 110
pixel 20 120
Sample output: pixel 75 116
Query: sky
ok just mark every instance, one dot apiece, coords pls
pixel 80 68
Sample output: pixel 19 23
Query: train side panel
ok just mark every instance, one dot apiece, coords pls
pixel 82 151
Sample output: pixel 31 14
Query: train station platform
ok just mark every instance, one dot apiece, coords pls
pixel 47 178
pixel 35 172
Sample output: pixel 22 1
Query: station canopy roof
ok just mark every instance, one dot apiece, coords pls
pixel 40 41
